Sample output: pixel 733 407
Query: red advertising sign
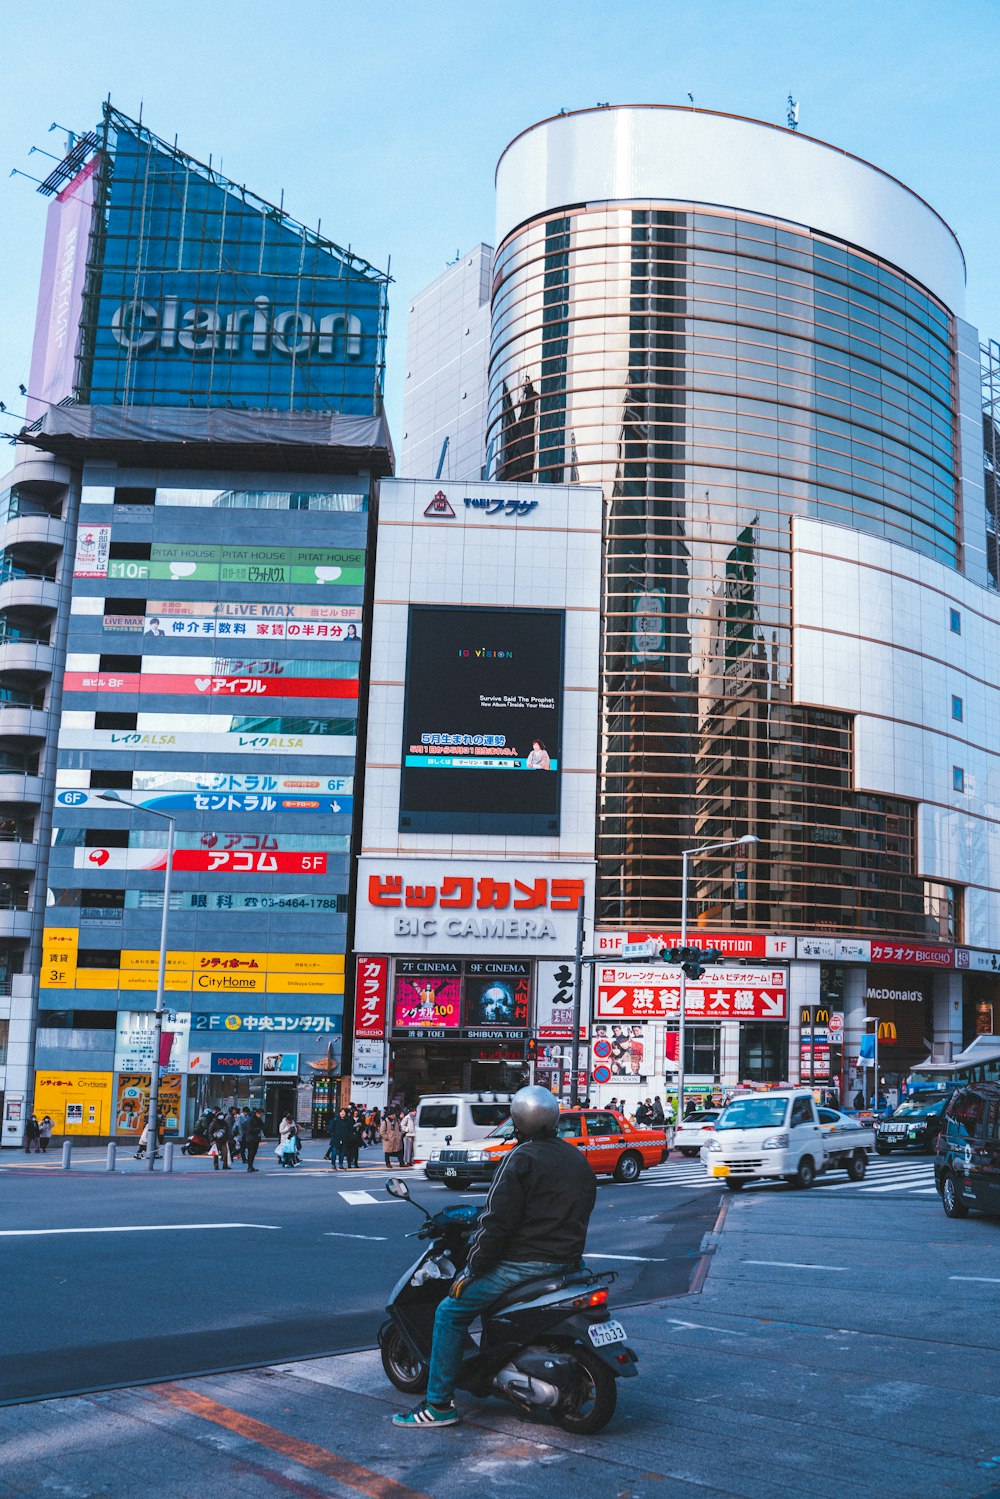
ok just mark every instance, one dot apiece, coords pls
pixel 629 993
pixel 923 957
pixel 821 1068
pixel 729 944
pixel 247 861
pixel 210 686
pixel 370 998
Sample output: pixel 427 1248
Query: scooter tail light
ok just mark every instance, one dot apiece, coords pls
pixel 598 1298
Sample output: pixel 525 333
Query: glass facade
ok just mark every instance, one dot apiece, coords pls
pixel 200 294
pixel 717 375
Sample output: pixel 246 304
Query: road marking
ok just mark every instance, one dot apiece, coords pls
pixel 131 1228
pixel 372 1238
pixel 306 1454
pixel 707 1327
pixel 895 1186
pixel 633 1259
pixel 795 1265
pixel 356 1198
pixel 989 1280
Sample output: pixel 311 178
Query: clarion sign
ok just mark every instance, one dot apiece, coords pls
pixel 258 328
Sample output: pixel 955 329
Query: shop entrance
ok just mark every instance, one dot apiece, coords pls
pixel 279 1099
pixel 421 1067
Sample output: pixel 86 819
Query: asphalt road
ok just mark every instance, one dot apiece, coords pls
pixel 109 1280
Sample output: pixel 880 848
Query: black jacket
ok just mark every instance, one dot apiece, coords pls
pixel 538 1207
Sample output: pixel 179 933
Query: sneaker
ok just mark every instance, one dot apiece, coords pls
pixel 428 1415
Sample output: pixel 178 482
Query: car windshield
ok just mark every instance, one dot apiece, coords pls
pixel 753 1113
pixel 703 1118
pixel 503 1131
pixel 920 1108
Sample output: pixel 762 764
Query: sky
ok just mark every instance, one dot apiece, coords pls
pixel 385 120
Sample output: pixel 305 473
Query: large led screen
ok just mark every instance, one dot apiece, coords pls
pixel 482 721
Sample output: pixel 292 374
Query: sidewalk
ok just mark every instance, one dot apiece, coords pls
pixel 92 1160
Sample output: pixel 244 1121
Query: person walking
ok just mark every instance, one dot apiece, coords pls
pixel 222 1140
pixel 45 1134
pixel 407 1130
pixel 236 1131
pixel 253 1133
pixel 31 1134
pixel 392 1139
pixel 288 1141
pixel 337 1150
pixel 658 1115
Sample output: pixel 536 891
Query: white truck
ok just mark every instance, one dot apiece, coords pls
pixel 783 1134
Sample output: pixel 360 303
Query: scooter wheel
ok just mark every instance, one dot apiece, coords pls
pixel 407 1373
pixel 590 1406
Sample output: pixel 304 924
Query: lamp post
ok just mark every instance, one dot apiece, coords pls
pixel 152 1132
pixel 688 854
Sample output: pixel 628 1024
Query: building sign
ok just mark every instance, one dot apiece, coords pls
pixel 554 1001
pixel 481 1000
pixel 202 860
pixel 220 736
pixel 814 1060
pixel 897 996
pixel 977 961
pixel 135 1041
pixel 914 954
pixel 834 949
pixel 209 562
pixel 284 1063
pixel 497 992
pixel 295 1025
pixel 92 546
pixel 168 684
pixel 427 999
pixel 132 1107
pixel 749 945
pixel 627 993
pixel 468 906
pixel 482 721
pixel 621 1052
pixel 368 1058
pixel 215 801
pixel 371 994
pixel 60 292
pixel 78 1103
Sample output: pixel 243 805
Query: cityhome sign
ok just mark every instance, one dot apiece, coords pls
pixel 199 329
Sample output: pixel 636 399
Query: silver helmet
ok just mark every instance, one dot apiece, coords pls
pixel 535 1112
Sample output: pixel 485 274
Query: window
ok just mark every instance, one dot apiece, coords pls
pixel 956 621
pixel 957 778
pixel 110 661
pixel 489 1113
pixel 603 1125
pixel 438 1116
pixel 957 709
pixel 102 838
pixel 135 496
pixel 115 720
pixel 801 1112
pixel 569 1127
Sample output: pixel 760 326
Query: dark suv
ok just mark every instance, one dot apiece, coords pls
pixel 916 1123
pixel 967 1167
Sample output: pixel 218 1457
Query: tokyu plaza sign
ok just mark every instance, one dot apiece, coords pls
pixel 258 328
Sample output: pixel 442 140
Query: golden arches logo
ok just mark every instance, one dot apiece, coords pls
pixel 886 1030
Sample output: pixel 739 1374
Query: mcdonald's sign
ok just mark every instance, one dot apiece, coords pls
pixel 886 1033
pixel 822 1016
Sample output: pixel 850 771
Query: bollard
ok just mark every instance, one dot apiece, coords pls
pixel 67 1155
pixel 112 1150
pixel 168 1156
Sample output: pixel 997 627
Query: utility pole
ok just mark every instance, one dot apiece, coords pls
pixel 574 1087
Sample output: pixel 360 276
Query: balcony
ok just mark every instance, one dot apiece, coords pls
pixel 20 721
pixel 39 471
pixel 25 655
pixel 36 530
pixel 27 591
pixel 16 854
pixel 15 925
pixel 17 787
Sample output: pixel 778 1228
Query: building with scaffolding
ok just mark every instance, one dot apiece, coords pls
pixel 185 532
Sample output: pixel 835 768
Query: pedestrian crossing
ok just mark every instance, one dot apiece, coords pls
pixel 897 1175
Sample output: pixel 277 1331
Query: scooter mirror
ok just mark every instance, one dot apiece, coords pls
pixel 396 1187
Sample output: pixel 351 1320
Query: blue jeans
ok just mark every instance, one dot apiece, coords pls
pixel 453 1318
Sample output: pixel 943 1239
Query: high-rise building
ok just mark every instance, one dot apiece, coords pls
pixel 447 354
pixel 184 534
pixel 753 342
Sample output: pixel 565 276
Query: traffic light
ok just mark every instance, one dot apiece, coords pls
pixel 531 1049
pixel 692 960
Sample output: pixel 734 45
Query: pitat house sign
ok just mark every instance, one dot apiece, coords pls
pixel 458 906
pixel 174 325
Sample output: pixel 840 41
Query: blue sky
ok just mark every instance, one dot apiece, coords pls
pixel 385 120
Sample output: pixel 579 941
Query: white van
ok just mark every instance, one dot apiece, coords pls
pixel 444 1118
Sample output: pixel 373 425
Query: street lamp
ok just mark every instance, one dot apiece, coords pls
pixel 691 853
pixel 152 1132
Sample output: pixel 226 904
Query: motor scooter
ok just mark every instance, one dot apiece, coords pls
pixel 549 1344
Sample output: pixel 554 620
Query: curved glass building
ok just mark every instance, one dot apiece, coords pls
pixel 752 341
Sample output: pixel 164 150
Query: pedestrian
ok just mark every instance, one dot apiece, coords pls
pixel 236 1131
pixel 354 1139
pixel 642 1113
pixel 337 1152
pixel 45 1133
pixel 288 1141
pixel 392 1139
pixel 859 1099
pixel 143 1149
pixel 253 1133
pixel 222 1141
pixel 31 1135
pixel 658 1116
pixel 406 1128
pixel 614 1106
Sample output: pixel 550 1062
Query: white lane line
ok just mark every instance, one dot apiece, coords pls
pixel 925 1192
pixel 356 1198
pixel 989 1280
pixel 898 1186
pixel 131 1228
pixel 707 1327
pixel 369 1238
pixel 897 1182
pixel 795 1265
pixel 633 1259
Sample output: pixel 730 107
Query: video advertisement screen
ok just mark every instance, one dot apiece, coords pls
pixel 482 721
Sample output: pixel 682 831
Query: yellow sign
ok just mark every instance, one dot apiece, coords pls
pixel 59 948
pixel 78 1103
pixel 204 972
pixel 133 1102
pixel 147 960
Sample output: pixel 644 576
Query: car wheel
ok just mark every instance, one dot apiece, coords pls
pixel 806 1174
pixel 734 1186
pixel 951 1199
pixel 687 1150
pixel 857 1166
pixel 881 1149
pixel 628 1168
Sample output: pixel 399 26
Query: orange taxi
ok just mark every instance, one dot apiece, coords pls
pixel 611 1144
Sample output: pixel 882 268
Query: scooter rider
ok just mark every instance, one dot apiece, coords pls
pixel 534 1224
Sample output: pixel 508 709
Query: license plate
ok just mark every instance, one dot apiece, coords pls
pixel 603 1333
pixel 720 1170
pixel 450 1171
